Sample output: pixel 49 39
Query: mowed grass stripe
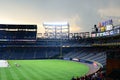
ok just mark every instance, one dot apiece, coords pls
pixel 15 71
pixel 31 72
pixel 57 71
pixel 14 75
pixel 57 74
pixel 46 73
pixel 3 74
pixel 50 74
pixel 19 70
pixel 44 69
pixel 42 74
pixel 50 69
pixel 24 74
pixel 54 71
pixel 22 70
pixel 20 74
pixel 70 71
pixel 0 74
pixel 65 75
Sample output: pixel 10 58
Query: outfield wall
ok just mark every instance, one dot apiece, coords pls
pixel 93 65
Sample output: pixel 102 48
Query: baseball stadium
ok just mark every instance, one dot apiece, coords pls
pixel 59 54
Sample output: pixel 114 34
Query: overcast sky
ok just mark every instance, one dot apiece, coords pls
pixel 81 14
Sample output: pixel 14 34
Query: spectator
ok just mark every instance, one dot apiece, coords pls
pixel 78 78
pixel 73 78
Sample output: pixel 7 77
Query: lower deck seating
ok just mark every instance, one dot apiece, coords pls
pixel 49 52
pixel 27 52
pixel 89 54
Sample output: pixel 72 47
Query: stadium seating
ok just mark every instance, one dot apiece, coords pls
pixel 91 54
pixel 46 48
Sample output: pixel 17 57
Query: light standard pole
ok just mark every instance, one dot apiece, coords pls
pixel 61 43
pixel 61 55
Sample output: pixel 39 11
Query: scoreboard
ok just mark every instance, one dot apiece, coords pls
pixel 14 32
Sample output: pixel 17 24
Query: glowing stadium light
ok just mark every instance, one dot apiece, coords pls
pixel 57 30
pixel 55 24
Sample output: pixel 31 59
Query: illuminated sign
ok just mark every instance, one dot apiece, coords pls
pixel 107 22
pixel 93 35
pixel 111 32
pixel 98 34
pixel 106 33
pixel 102 29
pixel 109 27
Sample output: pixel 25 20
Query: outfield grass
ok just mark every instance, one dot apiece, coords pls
pixel 42 70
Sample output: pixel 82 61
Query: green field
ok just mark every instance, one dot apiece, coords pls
pixel 42 70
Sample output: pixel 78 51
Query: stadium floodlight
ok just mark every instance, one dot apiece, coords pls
pixel 60 30
pixel 55 24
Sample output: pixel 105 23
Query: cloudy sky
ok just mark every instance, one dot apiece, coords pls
pixel 81 14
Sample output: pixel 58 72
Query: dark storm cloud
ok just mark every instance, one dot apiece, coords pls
pixel 81 14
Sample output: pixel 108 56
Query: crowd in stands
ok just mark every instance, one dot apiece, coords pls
pixel 95 76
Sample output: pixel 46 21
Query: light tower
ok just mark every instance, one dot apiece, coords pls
pixel 56 30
